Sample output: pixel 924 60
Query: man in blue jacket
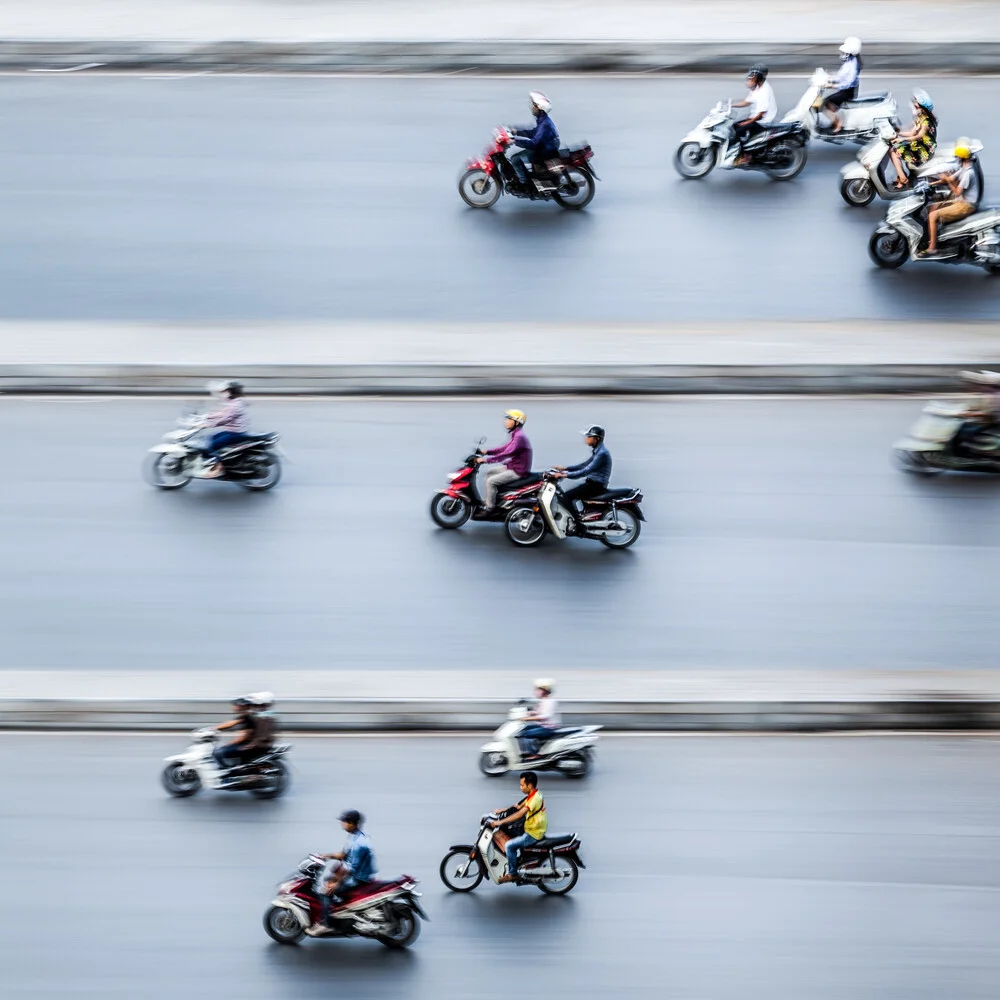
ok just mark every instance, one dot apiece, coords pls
pixel 595 472
pixel 537 144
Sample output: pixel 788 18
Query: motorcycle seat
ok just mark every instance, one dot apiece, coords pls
pixel 570 731
pixel 557 840
pixel 565 152
pixel 775 128
pixel 610 495
pixel 517 484
pixel 862 99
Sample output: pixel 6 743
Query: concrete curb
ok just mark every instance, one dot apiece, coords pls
pixel 961 713
pixel 486 56
pixel 413 379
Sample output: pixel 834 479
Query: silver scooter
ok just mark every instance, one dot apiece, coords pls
pixel 862 117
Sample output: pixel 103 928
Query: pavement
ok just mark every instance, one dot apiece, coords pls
pixel 461 35
pixel 717 868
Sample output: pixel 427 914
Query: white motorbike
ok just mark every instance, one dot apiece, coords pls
pixel 569 751
pixel 779 149
pixel 862 117
pixel 266 776
pixel 254 463
pixel 933 444
pixel 868 176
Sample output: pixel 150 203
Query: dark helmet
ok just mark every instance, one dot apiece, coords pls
pixel 352 816
pixel 758 71
pixel 243 703
pixel 229 388
pixel 594 431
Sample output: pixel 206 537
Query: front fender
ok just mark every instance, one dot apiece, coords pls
pixel 702 136
pixel 169 449
pixel 493 747
pixel 854 172
pixel 468 848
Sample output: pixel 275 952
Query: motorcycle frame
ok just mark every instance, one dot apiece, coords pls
pixel 495 163
pixel 556 520
pixel 859 123
pixel 939 451
pixel 464 485
pixel 877 154
pixel 493 859
pixel 199 759
pixel 902 218
pixel 505 741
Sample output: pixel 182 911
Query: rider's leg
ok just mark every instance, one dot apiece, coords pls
pixel 513 846
pixel 494 480
pixel 519 162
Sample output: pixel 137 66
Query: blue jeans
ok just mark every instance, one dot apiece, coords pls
pixel 532 735
pixel 513 846
pixel 220 439
pixel 228 755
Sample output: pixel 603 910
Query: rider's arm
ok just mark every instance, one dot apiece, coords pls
pixel 512 818
pixel 228 725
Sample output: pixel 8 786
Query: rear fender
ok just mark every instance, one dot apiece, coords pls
pixel 575 855
pixel 411 901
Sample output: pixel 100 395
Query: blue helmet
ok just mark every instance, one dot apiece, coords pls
pixel 923 100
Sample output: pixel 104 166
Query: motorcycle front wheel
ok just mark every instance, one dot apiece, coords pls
pixel 576 190
pixel 459 876
pixel 692 161
pixel 788 161
pixel 405 928
pixel 166 472
pixel 282 926
pixel 888 250
pixel 268 479
pixel 493 764
pixel 180 780
pixel 909 462
pixel 630 526
pixel 478 188
pixel 560 886
pixel 857 191
pixel 277 783
pixel 525 527
pixel 448 511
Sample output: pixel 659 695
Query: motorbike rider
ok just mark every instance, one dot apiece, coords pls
pixel 596 471
pixel 536 144
pixel 231 754
pixel 357 866
pixel 764 108
pixel 515 456
pixel 915 146
pixel 963 183
pixel 531 809
pixel 985 411
pixel 543 720
pixel 844 83
pixel 231 420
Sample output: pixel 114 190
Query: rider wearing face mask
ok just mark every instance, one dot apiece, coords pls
pixel 845 81
pixel 536 144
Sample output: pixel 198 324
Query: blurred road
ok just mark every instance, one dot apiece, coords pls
pixel 726 869
pixel 779 535
pixel 194 198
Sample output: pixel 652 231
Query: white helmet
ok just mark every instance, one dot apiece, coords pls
pixel 851 46
pixel 546 684
pixel 539 100
pixel 262 698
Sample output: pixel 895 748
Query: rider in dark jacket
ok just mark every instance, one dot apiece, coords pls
pixel 537 144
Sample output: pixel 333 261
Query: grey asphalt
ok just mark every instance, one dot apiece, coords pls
pixel 779 536
pixel 213 199
pixel 724 869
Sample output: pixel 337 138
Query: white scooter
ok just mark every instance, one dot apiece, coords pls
pixel 265 776
pixel 862 117
pixel 868 175
pixel 570 751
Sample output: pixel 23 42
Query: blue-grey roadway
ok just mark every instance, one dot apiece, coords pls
pixel 779 536
pixel 733 868
pixel 251 198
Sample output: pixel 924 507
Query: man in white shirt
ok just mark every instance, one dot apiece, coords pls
pixel 760 100
pixel 543 720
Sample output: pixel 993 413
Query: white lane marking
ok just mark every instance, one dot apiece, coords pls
pixel 65 69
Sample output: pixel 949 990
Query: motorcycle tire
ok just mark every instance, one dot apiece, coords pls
pixel 856 192
pixel 282 926
pixel 693 162
pixel 493 764
pixel 584 190
pixel 629 540
pixel 581 768
pixel 793 159
pixel 451 862
pixel 909 462
pixel 533 531
pixel 180 789
pixel 157 474
pixel 267 481
pixel 405 931
pixel 478 188
pixel 449 512
pixel 561 888
pixel 888 250
pixel 278 787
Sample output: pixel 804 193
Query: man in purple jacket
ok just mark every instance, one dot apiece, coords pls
pixel 515 456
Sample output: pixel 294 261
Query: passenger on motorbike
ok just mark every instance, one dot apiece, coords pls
pixel 596 472
pixel 915 146
pixel 531 809
pixel 845 82
pixel 232 754
pixel 537 144
pixel 985 411
pixel 964 186
pixel 230 418
pixel 764 108
pixel 543 720
pixel 515 456
pixel 357 866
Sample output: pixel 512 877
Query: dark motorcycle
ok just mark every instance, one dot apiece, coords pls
pixel 568 178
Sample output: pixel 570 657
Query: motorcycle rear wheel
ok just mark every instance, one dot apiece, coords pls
pixel 857 192
pixel 268 480
pixel 693 162
pixel 581 765
pixel 450 866
pixel 525 527
pixel 888 250
pixel 405 931
pixel 180 787
pixel 631 524
pixel 165 472
pixel 562 886
pixel 583 194
pixel 283 926
pixel 478 188
pixel 278 785
pixel 792 160
pixel 449 512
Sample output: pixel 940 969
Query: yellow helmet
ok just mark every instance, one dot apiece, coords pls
pixel 962 150
pixel 516 415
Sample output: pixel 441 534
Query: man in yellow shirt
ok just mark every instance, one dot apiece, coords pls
pixel 532 810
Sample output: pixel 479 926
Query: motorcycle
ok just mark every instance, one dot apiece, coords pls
pixel 903 235
pixel 612 518
pixel 552 864
pixel 186 773
pixel 779 150
pixel 568 178
pixel 868 175
pixel 460 499
pixel 862 117
pixel 384 911
pixel 253 463
pixel 570 751
pixel 933 444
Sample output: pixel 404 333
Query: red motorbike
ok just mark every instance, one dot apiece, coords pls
pixel 567 179
pixel 460 499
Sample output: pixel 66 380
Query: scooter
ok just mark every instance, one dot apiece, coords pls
pixel 779 150
pixel 460 499
pixel 186 773
pixel 612 518
pixel 868 175
pixel 385 911
pixel 552 864
pixel 569 751
pixel 862 117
